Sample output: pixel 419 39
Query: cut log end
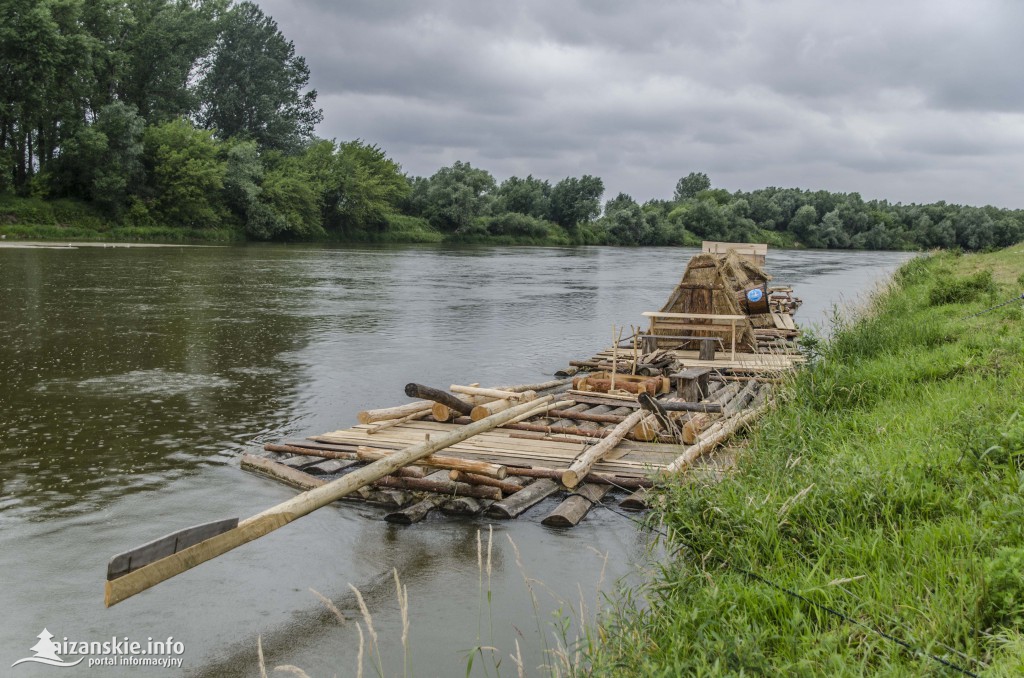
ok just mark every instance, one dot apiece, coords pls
pixel 570 478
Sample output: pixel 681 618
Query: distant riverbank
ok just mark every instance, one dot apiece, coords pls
pixel 885 487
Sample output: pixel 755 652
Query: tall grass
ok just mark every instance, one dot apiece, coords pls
pixel 886 485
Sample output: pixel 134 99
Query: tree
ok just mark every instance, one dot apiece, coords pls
pixel 252 84
pixel 526 196
pixel 575 201
pixel 363 188
pixel 185 175
pixel 689 186
pixel 454 196
pixel 154 52
pixel 804 225
pixel 102 162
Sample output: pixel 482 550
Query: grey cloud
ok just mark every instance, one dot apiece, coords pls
pixel 888 99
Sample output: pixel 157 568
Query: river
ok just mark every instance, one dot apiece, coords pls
pixel 132 379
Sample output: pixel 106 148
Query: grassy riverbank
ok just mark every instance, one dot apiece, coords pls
pixel 887 486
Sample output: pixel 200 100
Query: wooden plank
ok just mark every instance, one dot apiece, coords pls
pixel 571 511
pixel 696 316
pixel 129 561
pixel 518 503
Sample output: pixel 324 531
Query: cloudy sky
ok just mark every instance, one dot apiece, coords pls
pixel 905 100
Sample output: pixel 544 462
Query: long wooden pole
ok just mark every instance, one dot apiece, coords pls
pixel 278 516
pixel 581 466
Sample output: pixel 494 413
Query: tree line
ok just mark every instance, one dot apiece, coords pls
pixel 196 114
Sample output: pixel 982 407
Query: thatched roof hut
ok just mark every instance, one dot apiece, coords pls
pixel 719 284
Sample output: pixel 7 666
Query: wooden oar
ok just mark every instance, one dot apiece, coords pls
pixel 147 575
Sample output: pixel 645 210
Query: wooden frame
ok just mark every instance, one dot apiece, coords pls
pixel 719 323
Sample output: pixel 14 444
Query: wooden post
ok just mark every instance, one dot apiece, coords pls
pixel 732 323
pixel 572 476
pixel 278 516
pixel 692 383
pixel 707 349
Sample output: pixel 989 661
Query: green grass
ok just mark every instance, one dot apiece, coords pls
pixel 887 485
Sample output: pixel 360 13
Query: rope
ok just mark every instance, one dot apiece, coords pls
pixel 992 308
pixel 793 594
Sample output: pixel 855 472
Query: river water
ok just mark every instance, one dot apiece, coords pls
pixel 131 380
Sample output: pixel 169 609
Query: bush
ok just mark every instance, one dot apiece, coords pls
pixel 1002 602
pixel 962 290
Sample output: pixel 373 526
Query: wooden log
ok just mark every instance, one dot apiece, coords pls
pixel 440 461
pixel 416 512
pixel 697 424
pixel 330 467
pixel 542 386
pixel 742 398
pixel 312 452
pixel 681 406
pixel 728 428
pixel 636 501
pixel 579 415
pixel 280 515
pixel 505 486
pixel 586 433
pixel 660 414
pixel 278 471
pixel 621 482
pixel 726 394
pixel 384 498
pixel 314 445
pixel 445 487
pixel 516 505
pixel 646 431
pixel 567 419
pixel 541 409
pixel 493 393
pixel 571 511
pixel 605 385
pixel 602 398
pixel 395 422
pixel 370 416
pixel 581 466
pixel 487 409
pixel 438 396
pixel 464 506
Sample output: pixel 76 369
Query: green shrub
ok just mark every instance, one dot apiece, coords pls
pixel 1002 601
pixel 962 290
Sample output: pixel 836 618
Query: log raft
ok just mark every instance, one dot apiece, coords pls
pixel 554 450
pixel 583 446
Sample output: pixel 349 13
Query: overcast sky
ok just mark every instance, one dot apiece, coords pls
pixel 910 101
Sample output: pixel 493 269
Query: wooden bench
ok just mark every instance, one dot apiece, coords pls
pixel 649 342
pixel 662 320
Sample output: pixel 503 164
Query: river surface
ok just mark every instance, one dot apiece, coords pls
pixel 131 381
